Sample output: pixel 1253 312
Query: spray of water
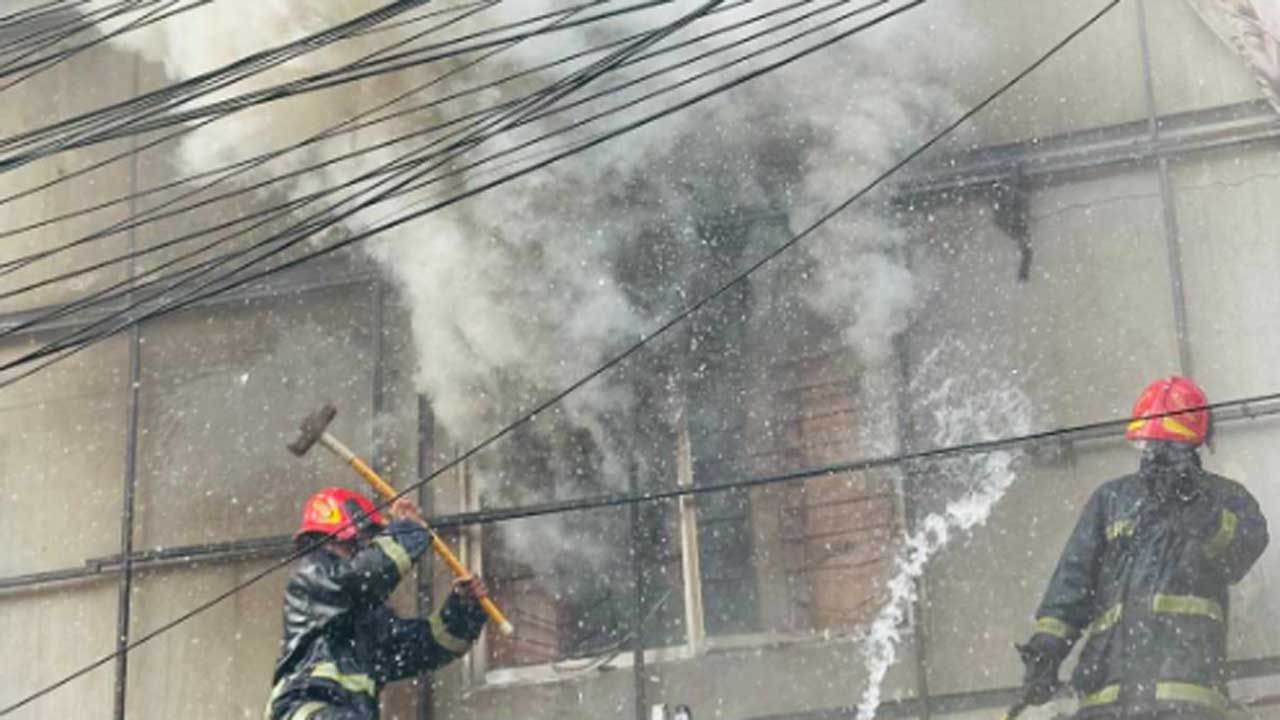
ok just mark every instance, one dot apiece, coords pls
pixel 961 408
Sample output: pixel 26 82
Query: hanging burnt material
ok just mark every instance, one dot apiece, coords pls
pixel 1010 206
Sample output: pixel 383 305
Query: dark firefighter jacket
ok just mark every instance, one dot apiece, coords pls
pixel 1144 580
pixel 342 643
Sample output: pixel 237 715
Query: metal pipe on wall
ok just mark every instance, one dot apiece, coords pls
pixel 124 604
pixel 426 463
pixel 1168 204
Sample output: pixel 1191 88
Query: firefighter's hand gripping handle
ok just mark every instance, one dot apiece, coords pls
pixel 387 492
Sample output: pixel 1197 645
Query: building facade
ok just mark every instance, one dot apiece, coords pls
pixel 1107 222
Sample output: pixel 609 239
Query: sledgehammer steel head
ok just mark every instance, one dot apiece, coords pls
pixel 312 428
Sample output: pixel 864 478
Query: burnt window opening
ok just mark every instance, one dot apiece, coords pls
pixel 753 385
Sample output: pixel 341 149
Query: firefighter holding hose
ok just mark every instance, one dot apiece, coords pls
pixel 1145 575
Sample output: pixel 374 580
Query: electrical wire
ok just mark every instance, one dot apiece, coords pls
pixel 608 365
pixel 309 226
pixel 131 286
pixel 34 144
pixel 47 8
pixel 148 216
pixel 179 133
pixel 76 21
pixel 161 13
pixel 102 125
pixel 240 166
pixel 14 264
pixel 63 311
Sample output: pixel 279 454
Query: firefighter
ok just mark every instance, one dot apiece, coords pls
pixel 1145 574
pixel 341 642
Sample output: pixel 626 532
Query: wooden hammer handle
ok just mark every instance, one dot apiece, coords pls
pixel 442 549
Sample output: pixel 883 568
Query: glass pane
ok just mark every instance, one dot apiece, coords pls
pixel 224 390
pixel 62 455
pixel 51 633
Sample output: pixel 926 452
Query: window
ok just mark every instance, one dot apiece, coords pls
pixel 797 558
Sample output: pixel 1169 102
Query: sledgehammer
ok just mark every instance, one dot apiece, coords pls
pixel 315 429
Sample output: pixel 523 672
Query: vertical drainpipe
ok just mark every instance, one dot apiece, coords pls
pixel 125 592
pixel 1172 236
pixel 637 617
pixel 426 464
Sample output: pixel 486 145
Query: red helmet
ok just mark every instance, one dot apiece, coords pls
pixel 338 509
pixel 1166 396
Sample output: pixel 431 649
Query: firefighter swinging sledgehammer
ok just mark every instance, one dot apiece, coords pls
pixel 1145 575
pixel 341 642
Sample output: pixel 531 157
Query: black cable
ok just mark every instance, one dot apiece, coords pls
pixel 151 18
pixel 72 24
pixel 242 165
pixel 148 216
pixel 527 417
pixel 332 78
pixel 102 294
pixel 425 16
pixel 237 167
pixel 96 126
pixel 14 264
pixel 130 285
pixel 157 141
pixel 62 134
pixel 48 8
pixel 191 298
pixel 570 127
pixel 37 67
pixel 309 226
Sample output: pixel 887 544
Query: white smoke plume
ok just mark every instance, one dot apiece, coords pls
pixel 518 292
pixel 964 408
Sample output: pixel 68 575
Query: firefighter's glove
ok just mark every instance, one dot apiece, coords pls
pixel 462 613
pixel 411 536
pixel 1041 657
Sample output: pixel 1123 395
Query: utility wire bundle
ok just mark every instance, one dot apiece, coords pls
pixel 201 271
